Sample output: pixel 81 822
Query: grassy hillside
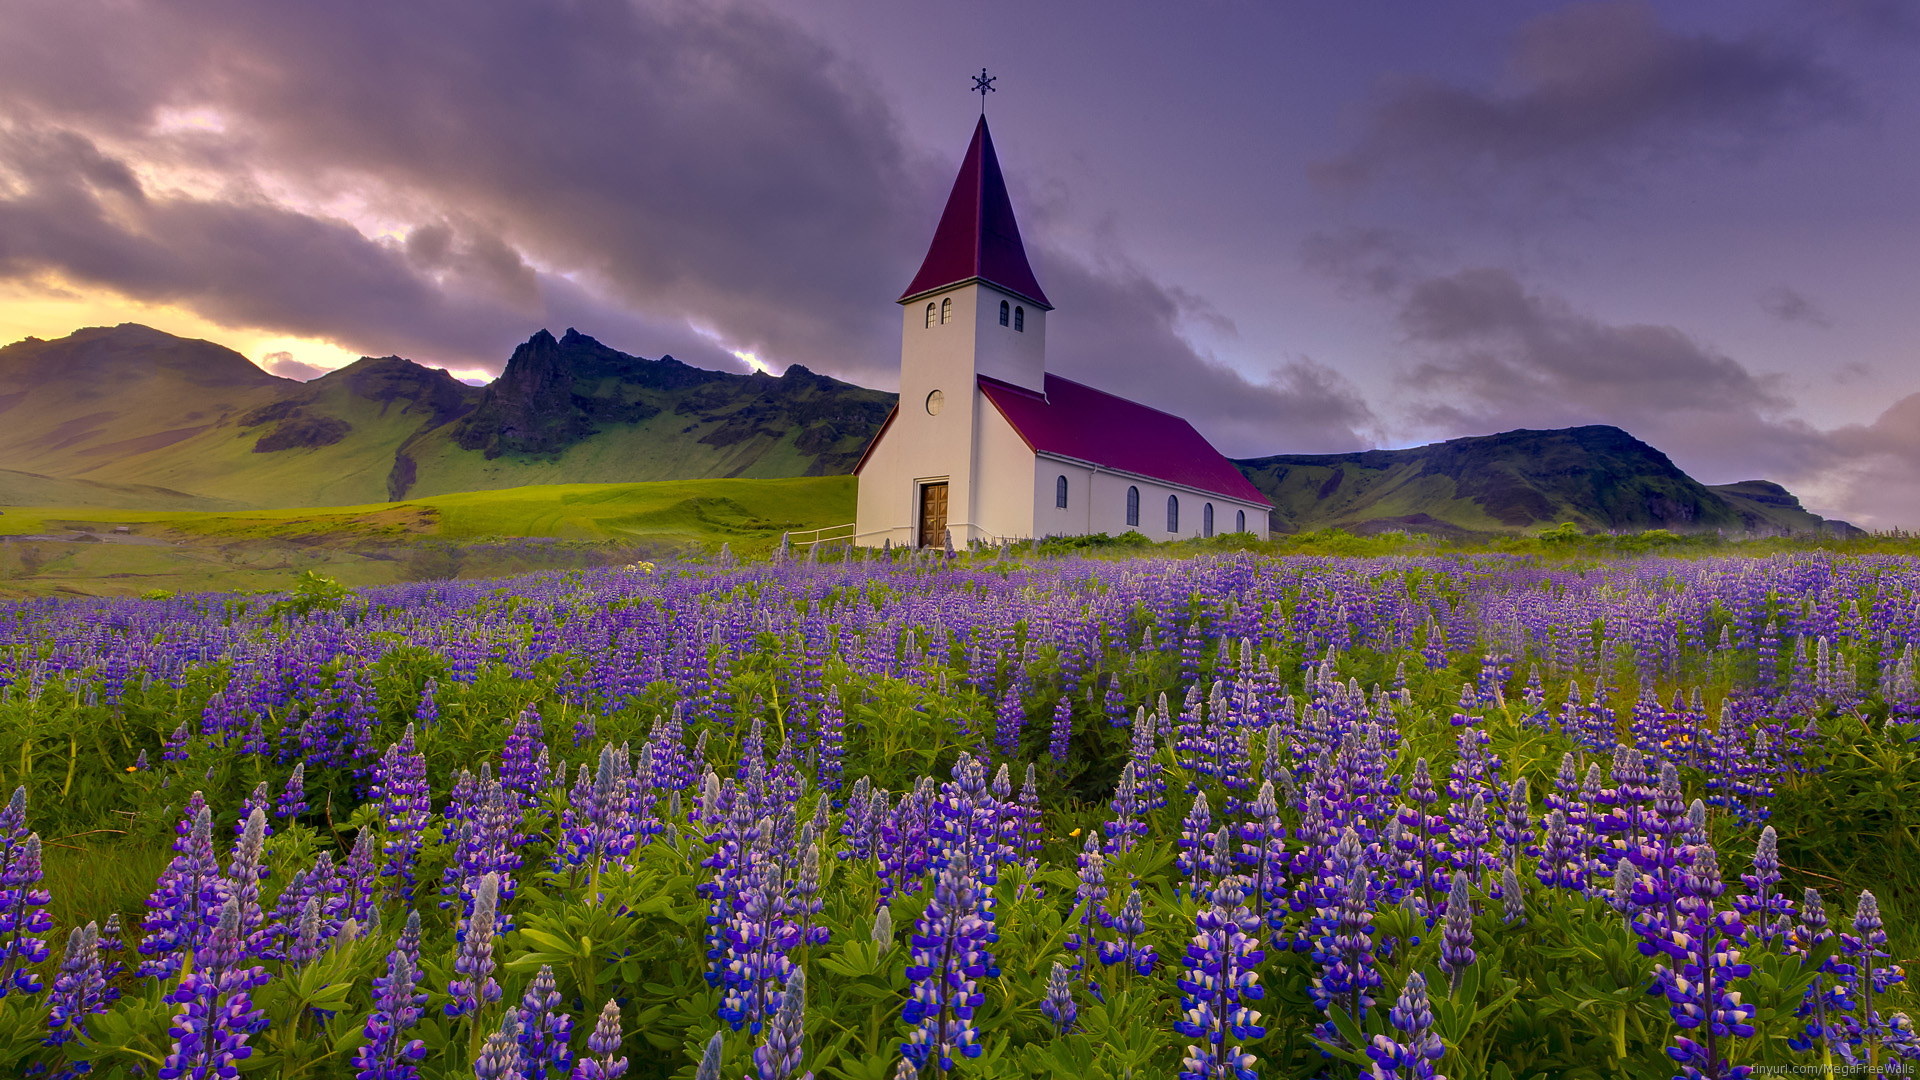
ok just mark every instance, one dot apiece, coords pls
pixel 468 534
pixel 1599 478
pixel 123 411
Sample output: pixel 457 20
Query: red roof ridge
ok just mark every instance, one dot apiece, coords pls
pixel 1077 422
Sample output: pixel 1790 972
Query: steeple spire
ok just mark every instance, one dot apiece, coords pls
pixel 978 239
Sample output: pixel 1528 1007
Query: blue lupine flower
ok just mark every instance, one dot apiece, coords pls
pixel 1220 978
pixel 397 1005
pixel 950 954
pixel 603 1042
pixel 1058 1005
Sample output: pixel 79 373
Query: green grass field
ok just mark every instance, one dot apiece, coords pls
pixel 470 534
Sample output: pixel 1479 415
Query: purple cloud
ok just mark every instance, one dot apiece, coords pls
pixel 1791 306
pixel 1590 86
pixel 437 179
pixel 284 365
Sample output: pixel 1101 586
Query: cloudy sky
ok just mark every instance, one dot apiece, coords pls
pixel 1306 226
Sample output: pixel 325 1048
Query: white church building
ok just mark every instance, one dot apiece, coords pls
pixel 986 445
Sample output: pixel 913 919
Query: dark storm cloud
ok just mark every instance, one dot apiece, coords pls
pixel 671 177
pixel 1789 305
pixel 1593 85
pixel 1494 354
pixel 1119 331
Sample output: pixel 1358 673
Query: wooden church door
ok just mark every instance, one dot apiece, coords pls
pixel 933 514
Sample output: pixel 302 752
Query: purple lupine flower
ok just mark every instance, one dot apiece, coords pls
pixel 1089 896
pixel 709 1060
pixel 1010 718
pixel 1456 940
pixel 1220 978
pixel 1342 934
pixel 1562 865
pixel 259 799
pixel 177 910
pixel 1125 828
pixel 780 1055
pixel 1412 1056
pixel 1828 993
pixel 397 1005
pixel 1060 733
pixel 833 742
pixel 499 1057
pixel 755 966
pixel 1765 910
pixel 216 1015
pixel 950 954
pixel 23 917
pixel 473 987
pixel 292 801
pixel 1129 925
pixel 1863 947
pixel 80 990
pixel 520 770
pixel 1058 1005
pixel 400 784
pixel 244 874
pixel 1513 905
pixel 1698 985
pixel 429 708
pixel 603 1042
pixel 1196 842
pixel 546 1030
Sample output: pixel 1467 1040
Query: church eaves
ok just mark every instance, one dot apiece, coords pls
pixel 978 239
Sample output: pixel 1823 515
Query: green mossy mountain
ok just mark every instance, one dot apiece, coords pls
pixel 1598 477
pixel 134 417
pixel 128 416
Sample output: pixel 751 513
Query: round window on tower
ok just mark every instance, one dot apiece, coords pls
pixel 935 401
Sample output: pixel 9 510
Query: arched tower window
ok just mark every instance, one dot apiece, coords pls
pixel 929 313
pixel 1133 507
pixel 1060 493
pixel 946 309
pixel 1239 521
pixel 1206 520
pixel 1020 319
pixel 1173 513
pixel 1004 308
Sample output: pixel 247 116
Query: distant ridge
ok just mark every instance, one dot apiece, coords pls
pixel 1598 477
pixel 136 417
pixel 129 416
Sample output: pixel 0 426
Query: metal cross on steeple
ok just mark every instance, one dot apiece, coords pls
pixel 983 85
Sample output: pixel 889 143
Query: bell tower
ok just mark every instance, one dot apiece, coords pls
pixel 973 311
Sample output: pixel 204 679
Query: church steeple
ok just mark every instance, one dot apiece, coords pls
pixel 978 238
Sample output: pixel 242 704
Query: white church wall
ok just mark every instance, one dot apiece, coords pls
pixel 1003 470
pixel 1015 356
pixel 1097 502
pixel 885 505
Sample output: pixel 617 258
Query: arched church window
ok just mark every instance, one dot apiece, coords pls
pixel 946 309
pixel 1020 319
pixel 1239 521
pixel 929 313
pixel 1173 513
pixel 1133 507
pixel 1060 492
pixel 1004 308
pixel 1206 520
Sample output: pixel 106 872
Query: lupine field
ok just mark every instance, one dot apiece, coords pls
pixel 1216 817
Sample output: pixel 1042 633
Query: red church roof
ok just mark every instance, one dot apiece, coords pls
pixel 977 238
pixel 1074 420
